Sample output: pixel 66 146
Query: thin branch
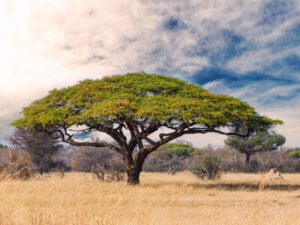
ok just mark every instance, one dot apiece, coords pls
pixel 229 133
pixel 94 144
pixel 150 141
pixel 83 130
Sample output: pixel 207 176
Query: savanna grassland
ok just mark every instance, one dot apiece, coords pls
pixel 79 199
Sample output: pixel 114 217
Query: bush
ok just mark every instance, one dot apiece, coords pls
pixel 84 158
pixel 155 164
pixel 114 173
pixel 209 167
pixel 16 165
pixel 158 164
pixel 295 153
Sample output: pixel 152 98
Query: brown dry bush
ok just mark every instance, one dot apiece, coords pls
pixel 16 165
pixel 114 173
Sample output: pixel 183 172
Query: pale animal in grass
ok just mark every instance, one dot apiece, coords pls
pixel 272 175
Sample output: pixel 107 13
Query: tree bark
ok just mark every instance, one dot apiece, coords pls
pixel 41 170
pixel 133 176
pixel 133 167
pixel 248 158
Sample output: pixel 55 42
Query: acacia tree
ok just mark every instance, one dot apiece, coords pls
pixel 129 108
pixel 256 142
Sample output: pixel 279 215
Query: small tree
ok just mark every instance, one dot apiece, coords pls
pixel 177 150
pixel 38 144
pixel 174 152
pixel 295 153
pixel 256 142
pixel 140 105
pixel 2 146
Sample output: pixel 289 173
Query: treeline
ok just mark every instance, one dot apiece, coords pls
pixel 166 159
pixel 41 153
pixel 231 160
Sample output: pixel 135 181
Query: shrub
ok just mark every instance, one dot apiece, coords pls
pixel 16 164
pixel 208 167
pixel 84 158
pixel 156 163
pixel 295 153
pixel 114 173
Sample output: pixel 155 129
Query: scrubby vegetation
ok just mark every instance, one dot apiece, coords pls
pixel 208 167
pixel 206 163
pixel 230 161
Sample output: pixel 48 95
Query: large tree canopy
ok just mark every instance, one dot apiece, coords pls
pixel 141 104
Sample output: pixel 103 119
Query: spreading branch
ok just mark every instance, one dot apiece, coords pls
pixel 94 144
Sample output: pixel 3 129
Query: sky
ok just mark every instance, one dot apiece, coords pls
pixel 249 49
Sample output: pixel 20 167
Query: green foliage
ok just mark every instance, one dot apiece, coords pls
pixel 264 139
pixel 2 146
pixel 178 150
pixel 295 153
pixel 256 142
pixel 209 167
pixel 138 95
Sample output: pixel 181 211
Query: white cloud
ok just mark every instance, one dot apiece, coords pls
pixel 258 59
pixel 213 85
pixel 290 115
pixel 50 44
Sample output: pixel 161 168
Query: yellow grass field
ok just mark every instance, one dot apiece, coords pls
pixel 160 199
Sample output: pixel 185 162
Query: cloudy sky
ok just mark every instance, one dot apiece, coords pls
pixel 249 49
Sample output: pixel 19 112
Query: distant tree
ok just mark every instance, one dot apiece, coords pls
pixel 172 153
pixel 138 104
pixel 40 146
pixel 256 142
pixel 295 153
pixel 2 146
pixel 177 150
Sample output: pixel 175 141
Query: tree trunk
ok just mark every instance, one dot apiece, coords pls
pixel 133 176
pixel 41 170
pixel 169 167
pixel 247 158
pixel 133 169
pixel 134 165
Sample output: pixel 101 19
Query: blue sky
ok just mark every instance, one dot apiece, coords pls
pixel 247 49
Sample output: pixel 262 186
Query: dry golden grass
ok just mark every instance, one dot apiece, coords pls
pixel 160 199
